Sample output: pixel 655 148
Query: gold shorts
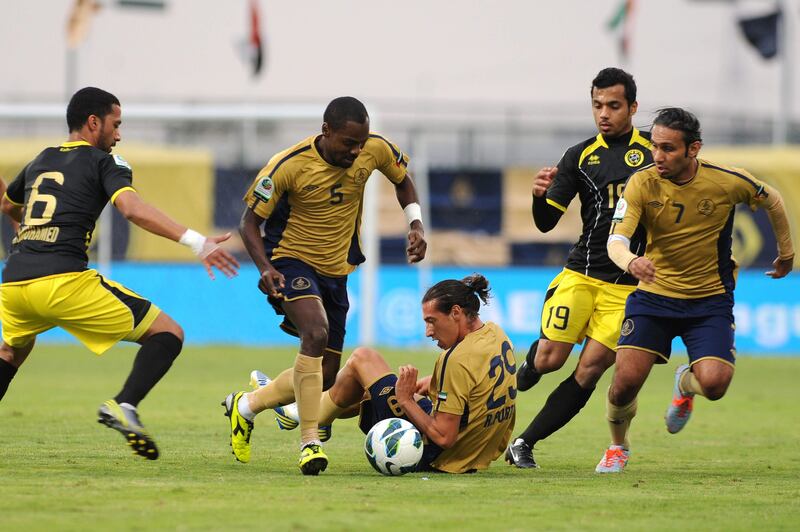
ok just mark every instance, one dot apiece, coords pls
pixel 93 309
pixel 577 306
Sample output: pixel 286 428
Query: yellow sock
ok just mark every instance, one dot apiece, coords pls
pixel 619 421
pixel 308 392
pixel 328 409
pixel 690 384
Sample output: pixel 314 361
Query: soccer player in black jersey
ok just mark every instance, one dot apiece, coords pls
pixel 57 199
pixel 587 299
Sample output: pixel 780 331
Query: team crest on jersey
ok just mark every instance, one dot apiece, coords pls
pixel 619 212
pixel 706 207
pixel 121 162
pixel 627 327
pixel 361 175
pixel 634 158
pixel 300 283
pixel 263 190
pixel 593 159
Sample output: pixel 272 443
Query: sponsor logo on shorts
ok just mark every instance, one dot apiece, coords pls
pixel 627 327
pixel 634 158
pixel 706 207
pixel 361 175
pixel 386 390
pixel 300 283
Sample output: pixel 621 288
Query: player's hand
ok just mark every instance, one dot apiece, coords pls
pixel 214 256
pixel 271 281
pixel 417 246
pixel 423 386
pixel 782 267
pixel 406 384
pixel 543 180
pixel 643 269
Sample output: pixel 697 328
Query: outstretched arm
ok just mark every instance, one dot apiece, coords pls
pixel 780 226
pixel 406 193
pixel 152 220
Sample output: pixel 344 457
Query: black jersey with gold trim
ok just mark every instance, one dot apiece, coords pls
pixel 62 192
pixel 596 170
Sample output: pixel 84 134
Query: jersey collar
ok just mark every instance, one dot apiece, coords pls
pixel 74 144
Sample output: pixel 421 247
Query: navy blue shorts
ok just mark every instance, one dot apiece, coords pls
pixel 705 325
pixel 301 280
pixel 382 404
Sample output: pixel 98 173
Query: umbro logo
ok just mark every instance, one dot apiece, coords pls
pixel 655 204
pixel 386 389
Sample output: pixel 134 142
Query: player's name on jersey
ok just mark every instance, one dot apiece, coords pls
pixel 44 233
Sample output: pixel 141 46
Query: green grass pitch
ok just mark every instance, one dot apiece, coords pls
pixel 734 467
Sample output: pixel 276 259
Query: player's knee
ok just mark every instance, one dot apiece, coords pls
pixel 621 395
pixel 362 357
pixel 715 390
pixel 314 340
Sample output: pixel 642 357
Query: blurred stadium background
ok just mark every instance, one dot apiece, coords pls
pixel 480 94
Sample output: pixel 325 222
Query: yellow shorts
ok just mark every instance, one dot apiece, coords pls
pixel 93 309
pixel 577 306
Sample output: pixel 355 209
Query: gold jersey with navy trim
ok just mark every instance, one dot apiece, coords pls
pixel 313 209
pixel 689 227
pixel 62 192
pixel 596 170
pixel 476 380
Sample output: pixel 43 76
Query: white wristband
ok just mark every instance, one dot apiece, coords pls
pixel 412 212
pixel 193 240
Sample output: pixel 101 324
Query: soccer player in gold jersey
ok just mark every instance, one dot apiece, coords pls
pixel 466 408
pixel 686 276
pixel 308 199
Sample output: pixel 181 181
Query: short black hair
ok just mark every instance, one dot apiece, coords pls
pixel 344 109
pixel 464 293
pixel 86 102
pixel 608 77
pixel 680 120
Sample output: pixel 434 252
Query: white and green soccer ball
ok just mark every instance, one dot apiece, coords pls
pixel 393 447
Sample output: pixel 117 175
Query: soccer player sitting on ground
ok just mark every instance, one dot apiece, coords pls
pixel 686 276
pixel 465 409
pixel 57 199
pixel 309 200
pixel 587 299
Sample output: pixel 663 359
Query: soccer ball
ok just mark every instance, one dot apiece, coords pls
pixel 393 447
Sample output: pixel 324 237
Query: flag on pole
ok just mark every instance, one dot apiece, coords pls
pixel 255 43
pixel 621 22
pixel 762 33
pixel 80 17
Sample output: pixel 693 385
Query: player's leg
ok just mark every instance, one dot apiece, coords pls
pixel 11 358
pixel 709 343
pixel 564 403
pixel 565 314
pixel 364 367
pixel 632 369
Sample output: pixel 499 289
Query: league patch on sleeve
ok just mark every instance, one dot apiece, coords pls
pixel 263 190
pixel 619 212
pixel 121 162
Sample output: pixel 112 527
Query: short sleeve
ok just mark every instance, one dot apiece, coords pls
pixel 454 388
pixel 116 175
pixel 16 189
pixel 629 208
pixel 747 189
pixel 565 184
pixel 266 189
pixel 391 162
